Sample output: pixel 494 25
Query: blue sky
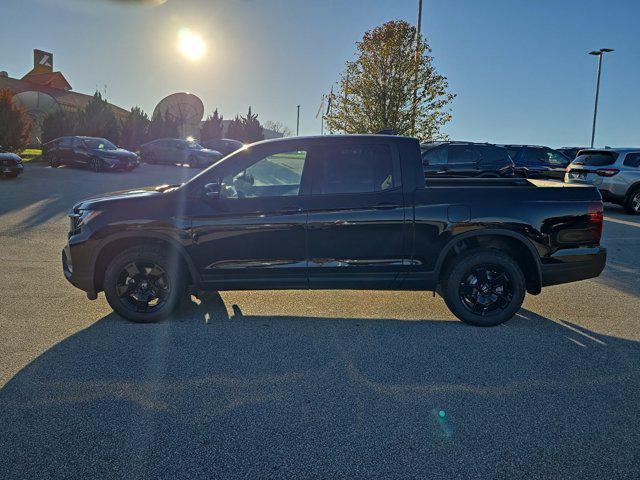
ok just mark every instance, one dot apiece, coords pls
pixel 520 67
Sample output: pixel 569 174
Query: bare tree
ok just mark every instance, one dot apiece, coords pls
pixel 278 127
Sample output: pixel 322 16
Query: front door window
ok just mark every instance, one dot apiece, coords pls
pixel 277 175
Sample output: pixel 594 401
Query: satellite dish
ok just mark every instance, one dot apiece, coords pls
pixel 37 104
pixel 186 109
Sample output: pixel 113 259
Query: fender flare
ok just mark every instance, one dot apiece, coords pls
pixel 496 232
pixel 151 236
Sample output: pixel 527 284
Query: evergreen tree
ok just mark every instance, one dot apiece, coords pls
pixel 162 126
pixel 252 128
pixel 235 130
pixel 59 124
pixel 98 120
pixel 15 124
pixel 212 127
pixel 134 129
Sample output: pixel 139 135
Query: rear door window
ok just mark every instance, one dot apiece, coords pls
pixel 493 154
pixel 356 169
pixel 462 154
pixel 556 159
pixel 632 160
pixel 435 156
pixel 535 156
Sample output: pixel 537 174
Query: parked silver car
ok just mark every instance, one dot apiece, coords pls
pixel 175 150
pixel 616 173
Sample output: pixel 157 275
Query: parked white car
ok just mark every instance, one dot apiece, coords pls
pixel 615 171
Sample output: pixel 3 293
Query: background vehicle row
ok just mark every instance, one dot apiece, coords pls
pixel 616 173
pixel 98 154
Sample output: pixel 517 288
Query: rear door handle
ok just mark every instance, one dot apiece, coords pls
pixel 386 206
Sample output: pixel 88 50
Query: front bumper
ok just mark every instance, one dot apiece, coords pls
pixel 16 169
pixel 122 165
pixel 79 279
pixel 572 265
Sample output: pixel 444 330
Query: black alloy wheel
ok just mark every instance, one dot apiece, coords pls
pixel 483 286
pixel 145 283
pixel 143 286
pixel 486 290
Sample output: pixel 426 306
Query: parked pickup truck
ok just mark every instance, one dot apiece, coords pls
pixel 335 212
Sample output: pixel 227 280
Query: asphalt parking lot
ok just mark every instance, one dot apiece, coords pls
pixel 306 384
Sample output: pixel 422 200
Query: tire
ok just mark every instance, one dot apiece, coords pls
pixel 632 204
pixel 193 162
pixel 146 259
pixel 95 164
pixel 53 162
pixel 508 289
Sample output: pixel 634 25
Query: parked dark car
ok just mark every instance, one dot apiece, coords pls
pixel 98 154
pixel 334 212
pixel 465 159
pixel 174 150
pixel 533 161
pixel 570 152
pixel 223 145
pixel 10 164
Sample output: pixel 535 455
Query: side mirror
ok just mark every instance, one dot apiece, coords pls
pixel 212 190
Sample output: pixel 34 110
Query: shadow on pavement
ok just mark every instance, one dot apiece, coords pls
pixel 47 193
pixel 216 394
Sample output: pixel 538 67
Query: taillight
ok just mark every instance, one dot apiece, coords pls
pixel 596 218
pixel 607 172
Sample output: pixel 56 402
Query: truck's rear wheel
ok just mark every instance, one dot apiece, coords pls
pixel 144 283
pixel 484 287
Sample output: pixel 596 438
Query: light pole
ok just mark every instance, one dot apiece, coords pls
pixel 416 60
pixel 298 122
pixel 599 53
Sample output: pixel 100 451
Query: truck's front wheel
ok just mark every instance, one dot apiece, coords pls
pixel 483 287
pixel 144 283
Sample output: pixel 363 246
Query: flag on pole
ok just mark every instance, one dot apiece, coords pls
pixel 320 107
pixel 330 99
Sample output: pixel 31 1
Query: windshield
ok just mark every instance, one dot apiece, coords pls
pixel 99 144
pixel 596 159
pixel 195 145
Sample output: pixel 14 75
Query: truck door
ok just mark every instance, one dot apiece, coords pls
pixel 356 216
pixel 253 234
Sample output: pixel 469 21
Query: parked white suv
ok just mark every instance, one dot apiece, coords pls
pixel 616 173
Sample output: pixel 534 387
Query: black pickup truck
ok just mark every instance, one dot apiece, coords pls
pixel 335 212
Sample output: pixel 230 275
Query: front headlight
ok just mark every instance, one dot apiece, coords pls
pixel 81 218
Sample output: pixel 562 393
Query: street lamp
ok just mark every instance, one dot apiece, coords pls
pixel 599 54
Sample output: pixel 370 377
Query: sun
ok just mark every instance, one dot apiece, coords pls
pixel 191 44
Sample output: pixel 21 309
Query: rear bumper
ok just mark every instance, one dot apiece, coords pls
pixel 572 265
pixel 608 196
pixel 16 169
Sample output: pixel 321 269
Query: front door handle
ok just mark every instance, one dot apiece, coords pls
pixel 290 209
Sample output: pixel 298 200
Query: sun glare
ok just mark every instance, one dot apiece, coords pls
pixel 190 44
